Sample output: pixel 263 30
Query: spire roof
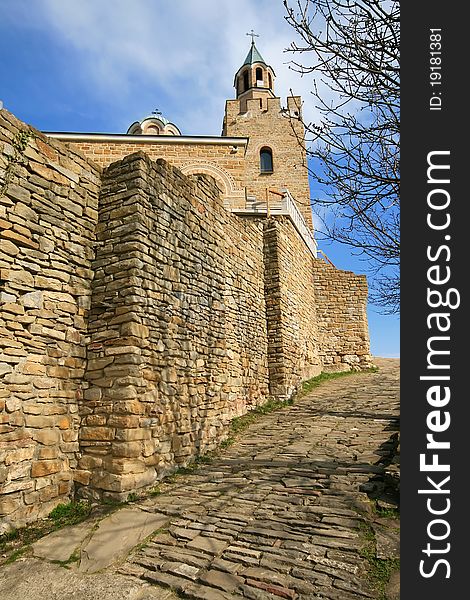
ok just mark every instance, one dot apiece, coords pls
pixel 254 56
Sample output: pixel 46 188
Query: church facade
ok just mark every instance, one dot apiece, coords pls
pixel 153 287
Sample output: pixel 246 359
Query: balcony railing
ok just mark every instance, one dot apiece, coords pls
pixel 283 205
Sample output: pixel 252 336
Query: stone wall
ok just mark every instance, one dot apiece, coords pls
pixel 316 314
pixel 48 211
pixel 138 317
pixel 291 310
pixel 222 161
pixel 341 300
pixel 178 328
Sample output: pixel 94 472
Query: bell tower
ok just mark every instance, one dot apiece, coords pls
pixel 276 157
pixel 254 79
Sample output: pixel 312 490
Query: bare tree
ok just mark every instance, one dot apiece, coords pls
pixel 352 47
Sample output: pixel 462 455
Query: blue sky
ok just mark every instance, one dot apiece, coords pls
pixel 100 65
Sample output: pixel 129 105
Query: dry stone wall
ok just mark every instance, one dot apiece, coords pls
pixel 341 300
pixel 178 328
pixel 298 307
pixel 291 311
pixel 316 314
pixel 48 212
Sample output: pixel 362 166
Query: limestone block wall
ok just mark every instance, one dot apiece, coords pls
pixel 48 212
pixel 178 330
pixel 341 300
pixel 293 333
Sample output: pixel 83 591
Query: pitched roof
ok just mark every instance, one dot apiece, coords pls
pixel 253 56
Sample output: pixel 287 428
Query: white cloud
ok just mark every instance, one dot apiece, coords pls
pixel 183 54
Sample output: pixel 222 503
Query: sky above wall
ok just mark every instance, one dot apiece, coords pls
pixel 100 65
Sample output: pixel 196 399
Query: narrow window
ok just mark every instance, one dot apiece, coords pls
pixel 266 160
pixel 270 79
pixel 246 83
pixel 259 77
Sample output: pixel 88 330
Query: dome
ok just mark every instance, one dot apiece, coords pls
pixel 154 124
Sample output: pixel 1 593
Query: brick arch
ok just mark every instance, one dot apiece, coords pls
pixel 232 195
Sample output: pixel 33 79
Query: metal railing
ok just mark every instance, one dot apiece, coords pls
pixel 299 222
pixel 284 205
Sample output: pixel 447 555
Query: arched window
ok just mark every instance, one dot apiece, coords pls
pixel 270 80
pixel 246 83
pixel 266 160
pixel 259 77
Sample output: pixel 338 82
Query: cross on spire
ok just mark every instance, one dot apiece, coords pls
pixel 253 35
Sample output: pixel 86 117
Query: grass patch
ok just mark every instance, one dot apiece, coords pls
pixel 310 384
pixel 133 497
pixel 15 555
pixel 204 459
pixel 239 424
pixel 75 557
pixel 227 442
pixel 387 513
pixel 154 491
pixel 379 570
pixel 70 513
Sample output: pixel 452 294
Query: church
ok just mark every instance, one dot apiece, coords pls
pixel 153 287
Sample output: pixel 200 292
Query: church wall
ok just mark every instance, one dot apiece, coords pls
pixel 48 212
pixel 178 154
pixel 178 341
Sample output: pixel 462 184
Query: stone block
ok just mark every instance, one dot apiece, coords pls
pixel 47 453
pixel 48 437
pixel 32 300
pixel 5 368
pixel 135 329
pixel 82 476
pixel 17 193
pixel 19 240
pixel 19 455
pixel 127 449
pixel 97 433
pixel 97 364
pixel 129 435
pixel 41 468
pixel 10 503
pixel 124 422
pixel 32 368
pixel 48 493
pixel 40 421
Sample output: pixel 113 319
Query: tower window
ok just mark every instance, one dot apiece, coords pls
pixel 246 83
pixel 259 77
pixel 270 80
pixel 266 160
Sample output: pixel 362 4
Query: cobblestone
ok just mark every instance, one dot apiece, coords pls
pixel 281 513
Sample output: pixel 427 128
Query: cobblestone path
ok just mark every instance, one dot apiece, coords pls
pixel 281 513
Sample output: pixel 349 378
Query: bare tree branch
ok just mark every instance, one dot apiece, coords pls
pixel 353 48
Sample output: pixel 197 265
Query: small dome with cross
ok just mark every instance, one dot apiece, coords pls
pixel 154 124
